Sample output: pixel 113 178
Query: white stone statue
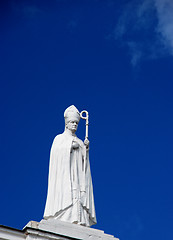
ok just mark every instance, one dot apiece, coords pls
pixel 70 191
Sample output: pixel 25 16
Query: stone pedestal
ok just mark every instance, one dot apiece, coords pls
pixel 58 230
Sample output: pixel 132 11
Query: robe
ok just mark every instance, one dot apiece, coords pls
pixel 70 191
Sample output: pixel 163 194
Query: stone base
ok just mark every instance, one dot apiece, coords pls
pixel 59 230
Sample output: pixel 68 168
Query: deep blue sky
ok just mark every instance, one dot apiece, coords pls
pixel 114 59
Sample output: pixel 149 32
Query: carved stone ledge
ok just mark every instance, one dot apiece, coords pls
pixel 59 230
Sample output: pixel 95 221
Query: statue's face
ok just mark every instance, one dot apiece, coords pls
pixel 72 125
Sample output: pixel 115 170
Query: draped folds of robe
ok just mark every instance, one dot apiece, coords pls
pixel 70 191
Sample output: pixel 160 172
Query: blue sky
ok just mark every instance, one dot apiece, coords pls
pixel 114 59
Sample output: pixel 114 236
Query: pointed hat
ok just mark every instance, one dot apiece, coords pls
pixel 72 112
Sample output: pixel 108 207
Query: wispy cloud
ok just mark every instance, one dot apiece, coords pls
pixel 146 28
pixel 165 22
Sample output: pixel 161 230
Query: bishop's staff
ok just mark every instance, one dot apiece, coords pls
pixel 86 117
pixel 86 142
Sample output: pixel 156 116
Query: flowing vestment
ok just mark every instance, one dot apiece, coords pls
pixel 70 191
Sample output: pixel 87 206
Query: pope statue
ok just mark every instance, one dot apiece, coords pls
pixel 70 191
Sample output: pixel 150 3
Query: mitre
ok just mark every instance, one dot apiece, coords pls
pixel 72 113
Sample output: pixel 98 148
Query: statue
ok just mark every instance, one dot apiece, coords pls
pixel 70 191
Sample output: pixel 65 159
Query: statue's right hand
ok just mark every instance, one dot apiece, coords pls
pixel 75 145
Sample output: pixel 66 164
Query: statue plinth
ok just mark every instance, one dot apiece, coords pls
pixel 59 230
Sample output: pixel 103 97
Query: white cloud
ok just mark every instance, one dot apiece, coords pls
pixel 135 52
pixel 146 28
pixel 165 22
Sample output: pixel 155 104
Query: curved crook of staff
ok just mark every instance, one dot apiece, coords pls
pixel 86 117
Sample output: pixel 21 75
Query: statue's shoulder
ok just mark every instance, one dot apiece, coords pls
pixel 58 138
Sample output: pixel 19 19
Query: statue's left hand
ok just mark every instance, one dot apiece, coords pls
pixel 87 142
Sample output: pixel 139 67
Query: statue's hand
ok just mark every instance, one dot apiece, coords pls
pixel 75 145
pixel 87 142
